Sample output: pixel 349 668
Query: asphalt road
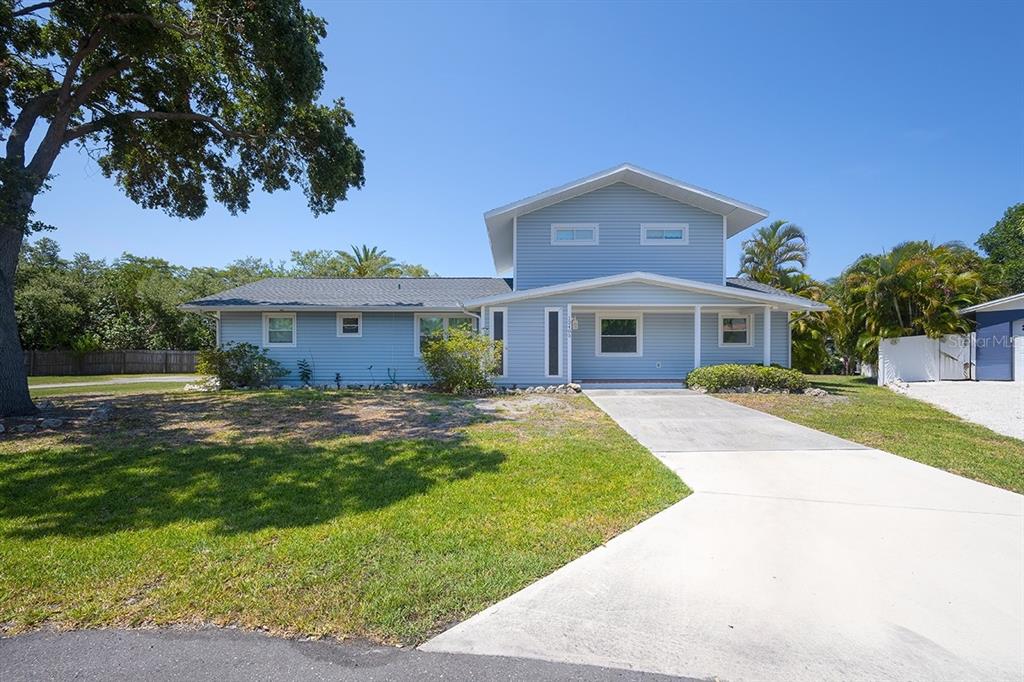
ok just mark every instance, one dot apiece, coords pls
pixel 228 654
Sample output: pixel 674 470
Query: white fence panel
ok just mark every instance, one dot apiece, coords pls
pixel 919 358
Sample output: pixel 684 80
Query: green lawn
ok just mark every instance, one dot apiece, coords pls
pixel 82 378
pixel 110 389
pixel 879 418
pixel 340 513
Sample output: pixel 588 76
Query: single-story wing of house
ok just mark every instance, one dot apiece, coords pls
pixel 999 328
pixel 616 277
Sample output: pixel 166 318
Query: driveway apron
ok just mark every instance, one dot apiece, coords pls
pixel 800 556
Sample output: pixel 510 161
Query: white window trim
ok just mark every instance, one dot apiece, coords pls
pixel 342 334
pixel 444 326
pixel 685 227
pixel 639 317
pixel 547 333
pixel 266 330
pixel 504 335
pixel 750 330
pixel 575 226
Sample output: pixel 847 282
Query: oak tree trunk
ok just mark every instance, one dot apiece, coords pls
pixel 14 396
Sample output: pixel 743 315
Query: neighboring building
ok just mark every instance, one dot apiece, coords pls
pixel 620 276
pixel 999 324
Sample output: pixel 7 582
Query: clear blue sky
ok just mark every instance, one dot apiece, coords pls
pixel 865 123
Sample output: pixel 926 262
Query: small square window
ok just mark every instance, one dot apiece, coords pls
pixel 350 324
pixel 734 330
pixel 279 329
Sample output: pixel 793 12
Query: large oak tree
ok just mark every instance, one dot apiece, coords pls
pixel 177 101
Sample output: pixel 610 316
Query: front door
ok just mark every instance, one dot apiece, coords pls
pixel 1018 350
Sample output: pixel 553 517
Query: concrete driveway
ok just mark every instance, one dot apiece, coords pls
pixel 999 405
pixel 799 557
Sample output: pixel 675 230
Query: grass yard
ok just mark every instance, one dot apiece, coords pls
pixel 383 515
pixel 84 378
pixel 109 389
pixel 877 417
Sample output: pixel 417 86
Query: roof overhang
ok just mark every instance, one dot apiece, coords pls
pixel 1007 303
pixel 750 297
pixel 738 215
pixel 286 308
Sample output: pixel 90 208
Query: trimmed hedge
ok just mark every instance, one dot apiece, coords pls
pixel 721 377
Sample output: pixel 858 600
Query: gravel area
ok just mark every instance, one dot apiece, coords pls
pixel 998 405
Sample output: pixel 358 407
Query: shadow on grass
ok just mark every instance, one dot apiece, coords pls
pixel 153 466
pixel 842 385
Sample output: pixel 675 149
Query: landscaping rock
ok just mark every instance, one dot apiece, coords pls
pixel 2 428
pixel 816 392
pixel 206 386
pixel 51 423
pixel 44 405
pixel 100 415
pixel 575 388
pixel 24 428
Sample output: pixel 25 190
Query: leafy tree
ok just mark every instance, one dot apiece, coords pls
pixel 917 288
pixel 174 98
pixel 362 261
pixel 775 252
pixel 1004 245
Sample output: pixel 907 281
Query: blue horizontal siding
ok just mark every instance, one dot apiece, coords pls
pixel 387 342
pixel 618 210
pixel 667 350
pixel 994 334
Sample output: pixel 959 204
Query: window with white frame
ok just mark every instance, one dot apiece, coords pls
pixel 350 325
pixel 569 234
pixel 620 335
pixel 735 330
pixel 278 329
pixel 664 234
pixel 430 325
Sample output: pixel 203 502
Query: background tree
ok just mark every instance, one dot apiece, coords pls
pixel 1004 245
pixel 774 253
pixel 175 98
pixel 361 261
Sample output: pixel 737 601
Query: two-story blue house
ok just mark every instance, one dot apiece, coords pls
pixel 618 277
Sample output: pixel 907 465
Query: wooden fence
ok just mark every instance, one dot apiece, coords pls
pixel 65 362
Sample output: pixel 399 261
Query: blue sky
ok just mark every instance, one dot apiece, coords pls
pixel 865 123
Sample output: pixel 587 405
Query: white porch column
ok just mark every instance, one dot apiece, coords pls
pixel 568 343
pixel 767 335
pixel 696 336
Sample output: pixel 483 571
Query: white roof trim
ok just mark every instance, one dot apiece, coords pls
pixel 738 215
pixel 650 278
pixel 284 307
pixel 1004 303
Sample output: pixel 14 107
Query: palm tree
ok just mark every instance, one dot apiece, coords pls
pixel 916 288
pixel 775 252
pixel 367 261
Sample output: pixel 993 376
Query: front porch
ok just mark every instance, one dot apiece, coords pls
pixel 615 344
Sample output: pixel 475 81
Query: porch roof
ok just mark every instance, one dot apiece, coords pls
pixel 779 300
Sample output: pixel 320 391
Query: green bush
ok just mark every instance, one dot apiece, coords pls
pixel 720 377
pixel 239 365
pixel 461 360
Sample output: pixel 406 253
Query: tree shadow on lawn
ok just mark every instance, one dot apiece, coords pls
pixel 96 482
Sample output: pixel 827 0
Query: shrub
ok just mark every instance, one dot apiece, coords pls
pixel 720 377
pixel 239 364
pixel 461 361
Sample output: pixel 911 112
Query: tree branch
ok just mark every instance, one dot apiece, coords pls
pixel 107 121
pixel 33 8
pixel 26 120
pixel 124 17
pixel 96 79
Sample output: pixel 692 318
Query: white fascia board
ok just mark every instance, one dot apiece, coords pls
pixel 781 303
pixel 271 308
pixel 1005 303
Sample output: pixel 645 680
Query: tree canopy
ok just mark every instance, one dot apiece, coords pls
pixel 177 101
pixel 1004 245
pixel 775 252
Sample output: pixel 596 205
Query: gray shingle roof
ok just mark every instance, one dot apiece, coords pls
pixel 297 292
pixel 751 285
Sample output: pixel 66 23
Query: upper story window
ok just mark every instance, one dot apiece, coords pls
pixel 278 329
pixel 735 330
pixel 350 325
pixel 665 234
pixel 573 234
